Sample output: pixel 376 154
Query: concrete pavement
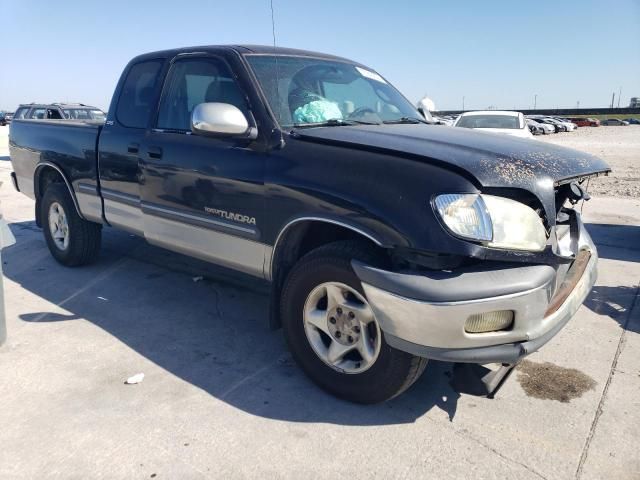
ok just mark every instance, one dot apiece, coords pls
pixel 222 398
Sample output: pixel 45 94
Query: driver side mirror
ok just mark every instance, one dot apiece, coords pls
pixel 220 119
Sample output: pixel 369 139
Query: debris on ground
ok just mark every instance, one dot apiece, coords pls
pixel 137 378
pixel 199 278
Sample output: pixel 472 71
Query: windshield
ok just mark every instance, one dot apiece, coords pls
pixel 488 121
pixel 313 91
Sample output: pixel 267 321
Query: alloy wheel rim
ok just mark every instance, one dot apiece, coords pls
pixel 341 328
pixel 58 226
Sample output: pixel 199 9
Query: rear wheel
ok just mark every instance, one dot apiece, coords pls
pixel 333 333
pixel 72 240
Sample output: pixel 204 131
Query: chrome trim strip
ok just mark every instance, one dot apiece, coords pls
pixel 127 199
pixel 59 170
pixel 88 189
pixel 269 260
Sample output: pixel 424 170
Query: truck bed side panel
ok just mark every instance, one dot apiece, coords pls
pixel 68 146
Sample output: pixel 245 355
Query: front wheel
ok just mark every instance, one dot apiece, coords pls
pixel 72 240
pixel 333 333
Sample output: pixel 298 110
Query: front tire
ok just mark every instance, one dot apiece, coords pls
pixel 72 240
pixel 332 332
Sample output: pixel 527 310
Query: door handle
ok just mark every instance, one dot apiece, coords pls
pixel 155 152
pixel 133 148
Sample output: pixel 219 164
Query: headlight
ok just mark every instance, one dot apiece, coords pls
pixel 465 215
pixel 498 221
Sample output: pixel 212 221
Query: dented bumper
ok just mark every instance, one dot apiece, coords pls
pixel 426 314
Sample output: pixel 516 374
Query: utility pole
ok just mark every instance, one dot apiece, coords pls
pixel 463 103
pixel 619 95
pixel 578 105
pixel 613 99
pixel 535 101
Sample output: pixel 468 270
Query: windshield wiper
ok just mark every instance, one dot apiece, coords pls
pixel 411 120
pixel 334 122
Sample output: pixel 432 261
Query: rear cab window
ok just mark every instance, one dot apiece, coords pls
pixel 135 103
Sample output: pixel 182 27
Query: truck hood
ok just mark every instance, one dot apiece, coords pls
pixel 493 160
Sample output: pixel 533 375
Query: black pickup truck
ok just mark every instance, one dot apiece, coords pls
pixel 387 241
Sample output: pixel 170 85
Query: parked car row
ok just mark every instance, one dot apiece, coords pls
pixel 5 118
pixel 542 124
pixel 509 122
pixel 59 111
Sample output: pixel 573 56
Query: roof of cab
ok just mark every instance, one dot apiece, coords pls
pixel 244 50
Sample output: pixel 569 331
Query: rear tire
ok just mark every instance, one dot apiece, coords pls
pixel 387 372
pixel 72 240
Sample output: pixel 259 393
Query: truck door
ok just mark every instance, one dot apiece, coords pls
pixel 203 196
pixel 121 145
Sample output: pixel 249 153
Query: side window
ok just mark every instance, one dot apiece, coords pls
pixel 21 113
pixel 38 113
pixel 136 97
pixel 194 81
pixel 53 113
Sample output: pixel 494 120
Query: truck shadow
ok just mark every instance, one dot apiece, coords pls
pixel 616 303
pixel 616 242
pixel 211 332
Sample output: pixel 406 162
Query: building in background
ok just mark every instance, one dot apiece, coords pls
pixel 634 102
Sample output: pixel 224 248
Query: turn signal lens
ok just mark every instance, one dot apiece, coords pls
pixel 489 322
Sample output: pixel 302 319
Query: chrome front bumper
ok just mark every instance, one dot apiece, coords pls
pixel 436 329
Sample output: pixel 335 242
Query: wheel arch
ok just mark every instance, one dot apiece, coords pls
pixel 47 173
pixel 298 230
pixel 298 237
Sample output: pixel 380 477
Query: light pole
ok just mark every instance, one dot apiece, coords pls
pixel 619 95
pixel 535 101
pixel 463 103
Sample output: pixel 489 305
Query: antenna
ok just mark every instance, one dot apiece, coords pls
pixel 273 31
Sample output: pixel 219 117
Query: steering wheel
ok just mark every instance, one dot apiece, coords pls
pixel 359 112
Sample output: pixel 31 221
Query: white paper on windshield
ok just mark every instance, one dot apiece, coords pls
pixel 369 74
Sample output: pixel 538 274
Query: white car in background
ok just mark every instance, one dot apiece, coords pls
pixel 496 121
pixel 545 126
pixel 570 125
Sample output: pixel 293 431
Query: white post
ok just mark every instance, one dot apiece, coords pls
pixel 6 239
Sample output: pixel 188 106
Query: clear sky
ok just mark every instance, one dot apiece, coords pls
pixel 494 53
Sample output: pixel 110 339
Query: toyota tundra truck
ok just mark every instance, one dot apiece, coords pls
pixel 386 241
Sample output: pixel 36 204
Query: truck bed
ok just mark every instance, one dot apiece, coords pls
pixel 70 145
